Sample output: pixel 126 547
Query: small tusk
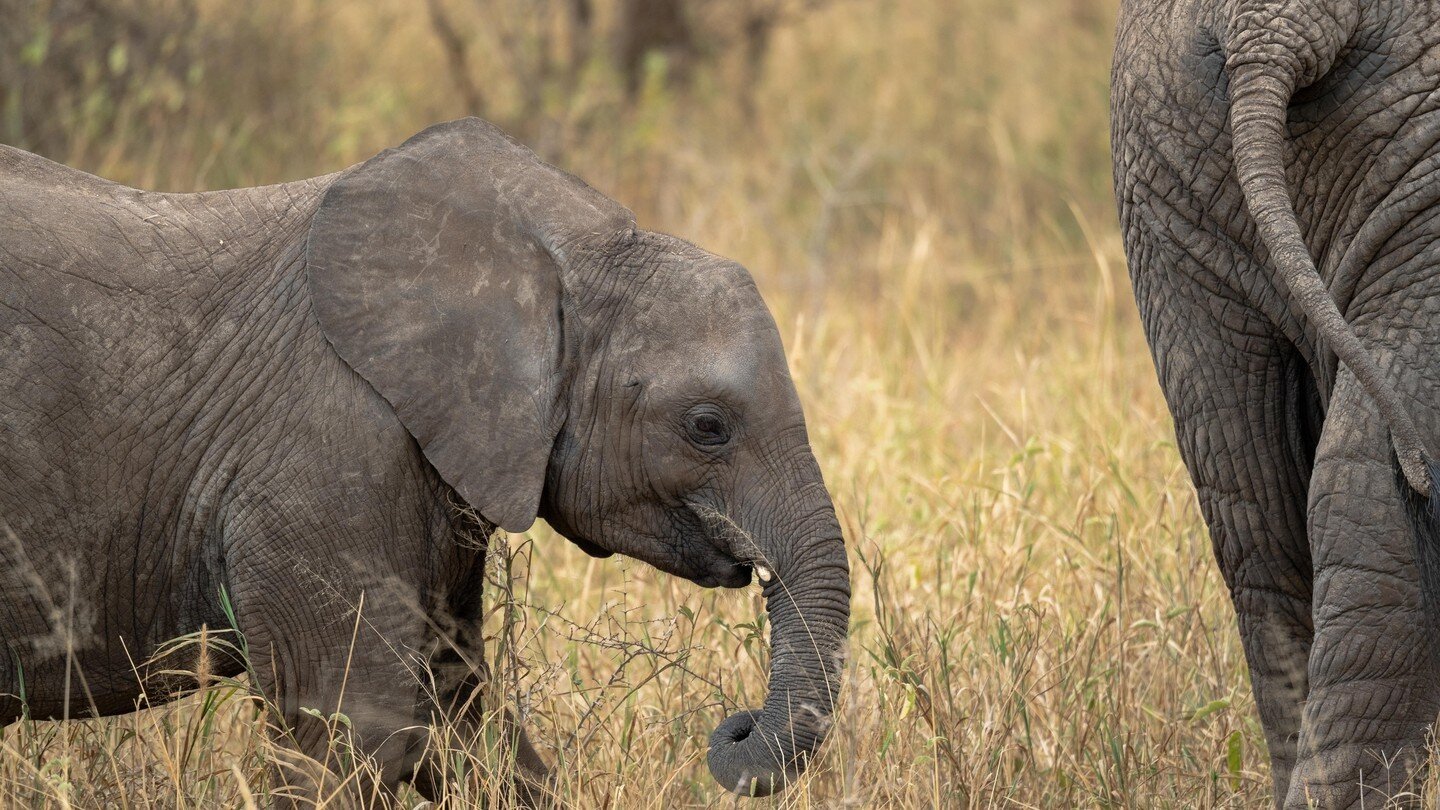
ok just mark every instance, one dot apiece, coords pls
pixel 763 572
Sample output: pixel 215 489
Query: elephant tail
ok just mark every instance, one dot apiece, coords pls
pixel 1266 63
pixel 1424 513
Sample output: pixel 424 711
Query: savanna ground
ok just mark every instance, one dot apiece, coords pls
pixel 921 188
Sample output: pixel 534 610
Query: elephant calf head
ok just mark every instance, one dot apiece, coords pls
pixel 550 359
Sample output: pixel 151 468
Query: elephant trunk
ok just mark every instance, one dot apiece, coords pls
pixel 757 752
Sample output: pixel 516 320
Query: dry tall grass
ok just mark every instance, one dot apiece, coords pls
pixel 924 198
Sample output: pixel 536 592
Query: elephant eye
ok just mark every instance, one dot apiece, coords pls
pixel 706 426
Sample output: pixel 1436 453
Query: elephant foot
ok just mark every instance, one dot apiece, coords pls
pixel 533 781
pixel 1358 777
pixel 528 782
pixel 534 793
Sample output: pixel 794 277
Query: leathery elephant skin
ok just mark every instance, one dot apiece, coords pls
pixel 1277 171
pixel 270 403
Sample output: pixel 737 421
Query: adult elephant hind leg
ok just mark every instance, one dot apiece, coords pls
pixel 1373 672
pixel 1251 497
pixel 1239 404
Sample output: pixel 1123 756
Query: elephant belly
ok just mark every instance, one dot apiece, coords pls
pixel 48 673
pixel 81 623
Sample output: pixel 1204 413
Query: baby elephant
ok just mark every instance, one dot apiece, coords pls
pixel 266 404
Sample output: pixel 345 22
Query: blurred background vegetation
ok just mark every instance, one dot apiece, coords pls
pixel 823 116
pixel 922 190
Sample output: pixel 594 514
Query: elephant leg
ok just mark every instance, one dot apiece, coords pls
pixel 1372 666
pixel 1251 496
pixel 1240 409
pixel 462 688
pixel 337 665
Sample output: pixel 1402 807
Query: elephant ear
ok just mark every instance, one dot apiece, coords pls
pixel 436 271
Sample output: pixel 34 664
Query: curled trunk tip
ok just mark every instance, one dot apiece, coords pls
pixel 733 757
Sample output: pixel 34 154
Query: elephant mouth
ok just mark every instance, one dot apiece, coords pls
pixel 711 568
pixel 591 548
pixel 725 573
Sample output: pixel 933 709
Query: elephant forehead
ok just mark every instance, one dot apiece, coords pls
pixel 708 299
pixel 717 327
pixel 734 359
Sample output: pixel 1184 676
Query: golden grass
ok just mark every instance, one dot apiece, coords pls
pixel 924 200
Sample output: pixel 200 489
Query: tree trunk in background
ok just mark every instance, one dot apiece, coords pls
pixel 70 70
pixel 654 26
pixel 457 57
pixel 756 28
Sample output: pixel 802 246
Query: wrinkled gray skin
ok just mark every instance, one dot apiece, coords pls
pixel 1278 176
pixel 280 392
